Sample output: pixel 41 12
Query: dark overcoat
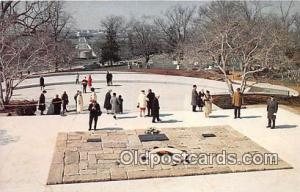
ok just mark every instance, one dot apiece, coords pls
pixel 155 107
pixel 200 99
pixel 42 101
pixel 42 82
pixel 65 99
pixel 151 97
pixel 107 104
pixel 119 108
pixel 194 97
pixel 94 112
pixel 272 107
pixel 57 105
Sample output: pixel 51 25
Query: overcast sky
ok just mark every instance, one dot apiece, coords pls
pixel 87 14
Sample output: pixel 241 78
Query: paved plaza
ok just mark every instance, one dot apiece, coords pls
pixel 96 156
pixel 27 144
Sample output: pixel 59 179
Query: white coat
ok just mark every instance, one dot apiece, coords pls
pixel 79 103
pixel 142 100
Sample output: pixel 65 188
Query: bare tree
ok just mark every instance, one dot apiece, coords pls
pixel 24 42
pixel 144 38
pixel 175 27
pixel 230 34
pixel 58 28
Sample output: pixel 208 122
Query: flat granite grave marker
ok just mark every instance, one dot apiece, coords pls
pixel 153 137
pixel 205 135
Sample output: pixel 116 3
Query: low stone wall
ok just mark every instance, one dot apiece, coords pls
pixel 224 100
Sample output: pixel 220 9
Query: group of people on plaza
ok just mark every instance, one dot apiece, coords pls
pixel 201 100
pixel 150 102
pixel 113 104
pixel 204 99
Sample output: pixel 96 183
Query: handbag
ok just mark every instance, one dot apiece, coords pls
pixel 99 113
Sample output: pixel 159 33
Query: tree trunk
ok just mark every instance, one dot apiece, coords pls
pixel 8 91
pixel 1 97
pixel 147 58
pixel 227 80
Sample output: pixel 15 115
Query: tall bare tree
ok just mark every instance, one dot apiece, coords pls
pixel 24 42
pixel 144 38
pixel 176 26
pixel 233 32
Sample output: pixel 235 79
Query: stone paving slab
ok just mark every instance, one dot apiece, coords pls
pixel 75 160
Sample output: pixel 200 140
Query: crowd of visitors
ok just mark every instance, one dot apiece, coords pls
pixel 201 99
pixel 114 104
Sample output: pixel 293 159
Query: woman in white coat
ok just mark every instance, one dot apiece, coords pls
pixel 207 104
pixel 79 102
pixel 142 103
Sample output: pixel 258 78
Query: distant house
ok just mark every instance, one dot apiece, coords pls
pixel 85 51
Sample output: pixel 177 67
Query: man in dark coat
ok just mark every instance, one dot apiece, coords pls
pixel 95 111
pixel 57 105
pixel 194 98
pixel 77 78
pixel 42 83
pixel 75 98
pixel 65 102
pixel 150 97
pixel 42 102
pixel 200 100
pixel 84 85
pixel 155 109
pixel 107 104
pixel 110 78
pixel 272 108
pixel 107 78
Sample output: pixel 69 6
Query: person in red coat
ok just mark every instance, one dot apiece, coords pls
pixel 90 81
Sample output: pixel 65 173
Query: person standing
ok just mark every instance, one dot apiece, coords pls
pixel 42 102
pixel 84 84
pixel 75 98
pixel 107 78
pixel 155 109
pixel 77 78
pixel 200 99
pixel 110 79
pixel 42 82
pixel 95 112
pixel 79 102
pixel 120 105
pixel 142 103
pixel 93 95
pixel 237 103
pixel 90 81
pixel 150 97
pixel 194 98
pixel 57 105
pixel 114 104
pixel 272 108
pixel 107 104
pixel 207 103
pixel 65 102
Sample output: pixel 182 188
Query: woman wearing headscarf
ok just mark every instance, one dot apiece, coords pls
pixel 208 103
pixel 79 103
